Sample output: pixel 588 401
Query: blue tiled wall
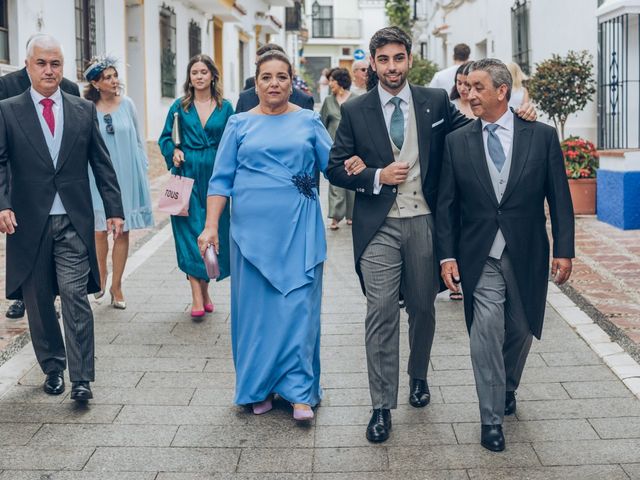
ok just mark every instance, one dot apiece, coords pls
pixel 618 198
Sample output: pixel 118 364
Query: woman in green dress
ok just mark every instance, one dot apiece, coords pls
pixel 202 117
pixel 340 199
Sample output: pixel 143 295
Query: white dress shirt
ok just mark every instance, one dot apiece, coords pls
pixel 53 141
pixel 387 111
pixel 445 79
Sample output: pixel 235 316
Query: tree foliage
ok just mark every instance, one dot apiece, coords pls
pixel 562 86
pixel 422 71
pixel 399 14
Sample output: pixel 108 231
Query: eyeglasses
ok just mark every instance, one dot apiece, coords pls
pixel 109 124
pixel 361 69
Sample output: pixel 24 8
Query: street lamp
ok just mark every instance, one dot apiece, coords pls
pixel 315 9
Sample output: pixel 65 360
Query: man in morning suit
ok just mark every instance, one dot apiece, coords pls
pixel 13 84
pixel 249 98
pixel 49 138
pixel 398 131
pixel 496 174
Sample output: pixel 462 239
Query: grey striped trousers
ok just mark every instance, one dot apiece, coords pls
pixel 62 259
pixel 399 257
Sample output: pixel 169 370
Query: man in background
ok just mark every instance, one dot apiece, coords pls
pixel 359 74
pixel 447 78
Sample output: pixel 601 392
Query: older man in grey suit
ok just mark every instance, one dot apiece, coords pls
pixel 496 174
pixel 49 138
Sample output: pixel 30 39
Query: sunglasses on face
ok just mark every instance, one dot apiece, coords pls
pixel 361 69
pixel 109 124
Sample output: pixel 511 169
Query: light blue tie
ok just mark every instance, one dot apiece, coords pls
pixel 495 147
pixel 396 128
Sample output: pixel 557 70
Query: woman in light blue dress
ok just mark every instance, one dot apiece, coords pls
pixel 266 164
pixel 119 128
pixel 202 116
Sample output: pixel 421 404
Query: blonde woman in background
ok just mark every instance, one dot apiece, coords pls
pixel 519 93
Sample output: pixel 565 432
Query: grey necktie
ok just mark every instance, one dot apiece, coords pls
pixel 396 127
pixel 495 147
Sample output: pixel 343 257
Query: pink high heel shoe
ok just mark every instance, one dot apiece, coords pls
pixel 262 407
pixel 209 307
pixel 197 313
pixel 302 414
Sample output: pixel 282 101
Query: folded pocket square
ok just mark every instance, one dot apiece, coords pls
pixel 437 123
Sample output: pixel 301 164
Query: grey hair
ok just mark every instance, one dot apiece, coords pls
pixel 359 64
pixel 45 41
pixel 497 70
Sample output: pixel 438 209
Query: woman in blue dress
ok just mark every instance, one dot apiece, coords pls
pixel 202 116
pixel 119 127
pixel 266 163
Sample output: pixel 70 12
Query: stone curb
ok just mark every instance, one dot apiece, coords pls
pixel 20 363
pixel 613 355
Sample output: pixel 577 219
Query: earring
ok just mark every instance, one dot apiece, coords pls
pixel 97 89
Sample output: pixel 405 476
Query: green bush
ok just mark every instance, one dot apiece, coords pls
pixel 422 71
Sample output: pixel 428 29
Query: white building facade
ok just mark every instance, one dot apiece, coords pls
pixel 524 31
pixel 153 39
pixel 338 33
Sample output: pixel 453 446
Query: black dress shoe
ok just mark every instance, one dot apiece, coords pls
pixel 492 438
pixel 15 310
pixel 510 403
pixel 419 395
pixel 54 383
pixel 379 425
pixel 81 392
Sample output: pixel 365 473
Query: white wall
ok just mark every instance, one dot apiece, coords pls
pixel 555 27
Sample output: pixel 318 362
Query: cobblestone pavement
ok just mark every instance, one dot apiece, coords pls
pixel 163 402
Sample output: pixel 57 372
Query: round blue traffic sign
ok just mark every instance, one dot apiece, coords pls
pixel 359 54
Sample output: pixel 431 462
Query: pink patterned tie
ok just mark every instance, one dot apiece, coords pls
pixel 47 103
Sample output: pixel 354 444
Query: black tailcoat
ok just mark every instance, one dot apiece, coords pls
pixel 363 132
pixel 469 213
pixel 34 180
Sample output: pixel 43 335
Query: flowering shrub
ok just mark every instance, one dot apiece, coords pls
pixel 580 158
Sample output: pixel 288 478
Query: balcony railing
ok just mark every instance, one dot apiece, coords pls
pixel 335 27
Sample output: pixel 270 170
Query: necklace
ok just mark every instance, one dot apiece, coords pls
pixel 209 100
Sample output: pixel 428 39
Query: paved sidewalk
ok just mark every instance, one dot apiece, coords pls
pixel 163 402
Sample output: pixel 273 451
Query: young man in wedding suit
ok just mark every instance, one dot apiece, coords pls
pixel 398 130
pixel 49 138
pixel 497 173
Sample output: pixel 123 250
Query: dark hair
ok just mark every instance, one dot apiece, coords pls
pixel 90 92
pixel 462 70
pixel 388 35
pixel 372 78
pixel 461 52
pixel 273 55
pixel 267 47
pixel 497 70
pixel 215 87
pixel 342 77
pixel 329 72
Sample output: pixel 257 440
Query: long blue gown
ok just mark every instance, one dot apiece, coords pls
pixel 199 146
pixel 266 165
pixel 130 162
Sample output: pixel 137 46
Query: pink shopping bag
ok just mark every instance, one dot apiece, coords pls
pixel 175 196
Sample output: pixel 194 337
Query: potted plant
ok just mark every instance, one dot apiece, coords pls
pixel 581 164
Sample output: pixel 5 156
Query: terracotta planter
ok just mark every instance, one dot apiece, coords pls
pixel 583 195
